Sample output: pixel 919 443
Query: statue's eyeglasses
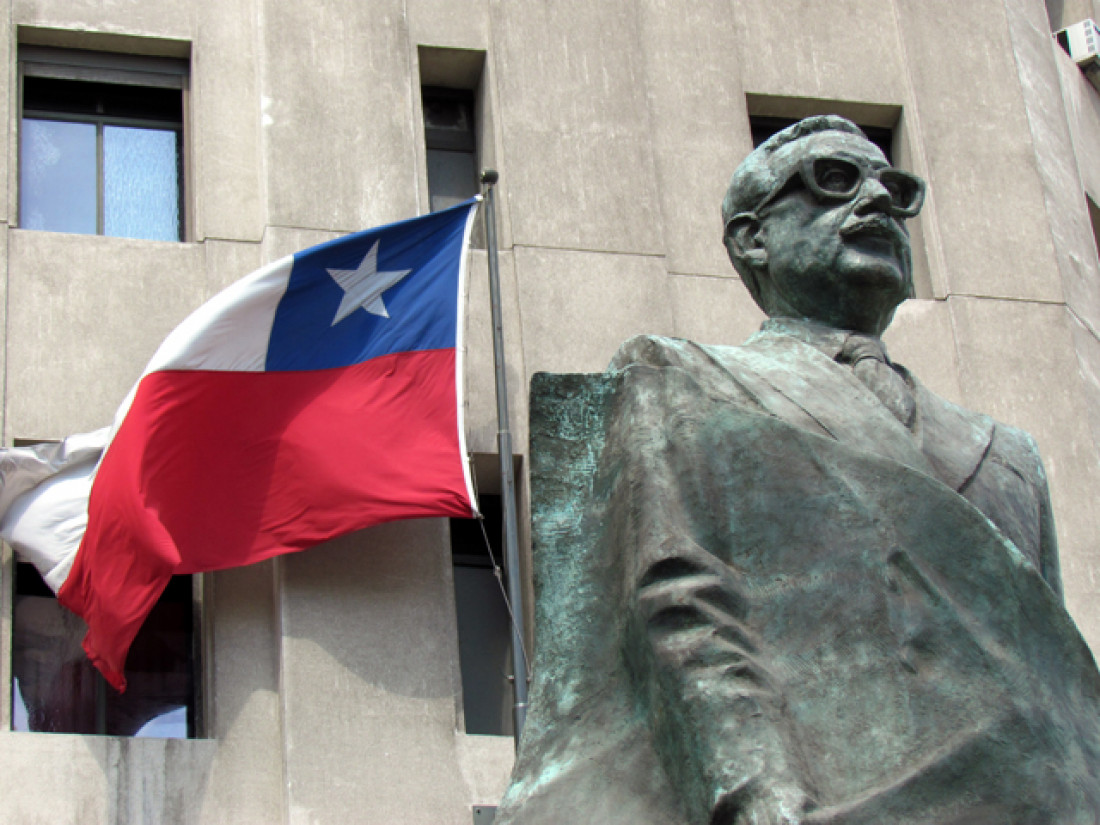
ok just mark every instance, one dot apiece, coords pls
pixel 836 179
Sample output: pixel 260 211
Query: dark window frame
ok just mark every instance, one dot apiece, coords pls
pixel 100 70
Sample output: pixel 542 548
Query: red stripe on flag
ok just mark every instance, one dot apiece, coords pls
pixel 220 469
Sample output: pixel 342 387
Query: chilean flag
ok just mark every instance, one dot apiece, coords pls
pixel 319 395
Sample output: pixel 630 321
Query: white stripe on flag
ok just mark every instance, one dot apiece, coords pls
pixel 44 493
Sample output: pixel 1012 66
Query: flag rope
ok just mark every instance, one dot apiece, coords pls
pixel 499 574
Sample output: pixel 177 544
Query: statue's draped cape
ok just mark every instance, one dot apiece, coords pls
pixel 758 592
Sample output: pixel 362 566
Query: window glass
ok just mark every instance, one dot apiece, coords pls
pixel 450 111
pixel 486 651
pixel 452 177
pixel 58 176
pixel 55 689
pixel 484 626
pixel 98 157
pixel 451 145
pixel 141 183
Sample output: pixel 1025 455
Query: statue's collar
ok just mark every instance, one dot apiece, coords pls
pixel 952 439
pixel 822 337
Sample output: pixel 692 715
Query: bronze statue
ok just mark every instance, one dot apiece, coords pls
pixel 784 582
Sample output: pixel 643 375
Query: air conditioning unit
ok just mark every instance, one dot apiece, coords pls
pixel 1081 41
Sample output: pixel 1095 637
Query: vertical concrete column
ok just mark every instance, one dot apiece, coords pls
pixel 224 121
pixel 575 125
pixel 979 151
pixel 1056 100
pixel 10 118
pixel 699 125
pixel 245 784
pixel 337 108
pixel 1045 105
pixel 368 679
pixel 691 65
pixel 5 432
pixel 584 207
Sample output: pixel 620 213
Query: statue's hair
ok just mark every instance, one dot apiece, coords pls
pixel 755 177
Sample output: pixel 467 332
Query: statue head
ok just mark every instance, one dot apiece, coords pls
pixel 814 224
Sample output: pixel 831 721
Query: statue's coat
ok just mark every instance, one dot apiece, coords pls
pixel 760 595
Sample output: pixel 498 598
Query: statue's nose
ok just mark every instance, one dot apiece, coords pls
pixel 873 196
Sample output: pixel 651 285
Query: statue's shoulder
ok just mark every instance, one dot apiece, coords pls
pixel 665 351
pixel 1018 450
pixel 959 434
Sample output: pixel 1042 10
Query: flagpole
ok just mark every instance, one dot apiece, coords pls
pixel 489 178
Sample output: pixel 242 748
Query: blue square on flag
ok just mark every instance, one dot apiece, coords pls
pixel 378 292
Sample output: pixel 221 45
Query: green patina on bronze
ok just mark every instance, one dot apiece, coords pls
pixel 766 593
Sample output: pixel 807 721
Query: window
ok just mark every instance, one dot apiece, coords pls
pixel 55 689
pixel 484 627
pixel 455 108
pixel 101 143
pixel 451 145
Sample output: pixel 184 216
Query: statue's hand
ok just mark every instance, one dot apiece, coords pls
pixel 716 706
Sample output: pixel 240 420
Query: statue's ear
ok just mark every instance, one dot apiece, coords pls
pixel 744 239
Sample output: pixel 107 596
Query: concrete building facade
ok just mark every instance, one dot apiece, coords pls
pixel 330 679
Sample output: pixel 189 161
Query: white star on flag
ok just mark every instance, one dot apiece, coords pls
pixel 363 287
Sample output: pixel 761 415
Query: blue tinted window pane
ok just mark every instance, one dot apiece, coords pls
pixel 57 176
pixel 141 191
pixel 171 724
